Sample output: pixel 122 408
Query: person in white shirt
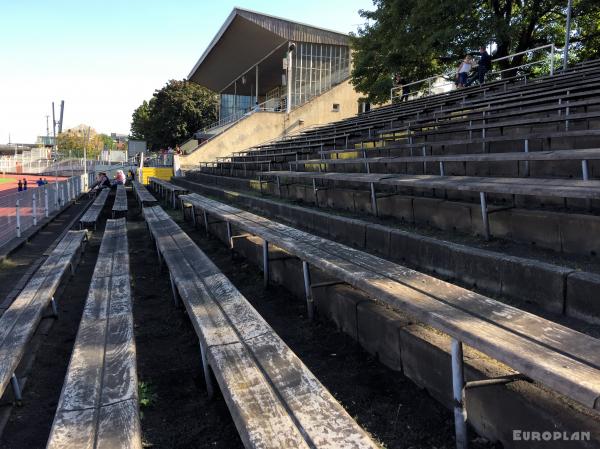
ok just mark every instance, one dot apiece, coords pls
pixel 463 71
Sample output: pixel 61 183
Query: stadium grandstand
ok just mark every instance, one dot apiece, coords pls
pixel 311 271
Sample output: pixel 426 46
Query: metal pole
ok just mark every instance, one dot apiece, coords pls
pixel 291 48
pixel 46 212
pixel 373 200
pixel 18 209
pixel 307 290
pixel 526 162
pixel 551 61
pixel 207 378
pixel 584 170
pixel 34 208
pixel 567 36
pixel 458 381
pixel 16 387
pixel 484 215
pixel 265 263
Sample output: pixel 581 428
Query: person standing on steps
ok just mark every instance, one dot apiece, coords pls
pixel 24 183
pixel 483 66
pixel 20 186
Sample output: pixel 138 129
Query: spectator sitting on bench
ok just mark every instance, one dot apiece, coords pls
pixel 101 182
pixel 119 178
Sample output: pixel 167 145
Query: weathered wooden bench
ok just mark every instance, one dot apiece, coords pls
pixel 92 214
pixel 19 322
pixel 540 350
pixel 275 401
pixel 142 195
pixel 98 406
pixel 120 204
pixel 582 155
pixel 556 188
pixel 166 190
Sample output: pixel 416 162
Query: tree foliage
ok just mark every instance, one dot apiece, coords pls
pixel 421 38
pixel 72 142
pixel 173 114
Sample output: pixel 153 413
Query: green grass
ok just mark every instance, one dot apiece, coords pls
pixel 146 395
pixel 5 180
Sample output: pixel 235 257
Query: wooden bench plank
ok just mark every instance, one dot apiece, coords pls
pixel 560 188
pixel 120 204
pixel 98 407
pixel 251 355
pixel 571 375
pixel 143 196
pixel 20 320
pixel 555 155
pixel 93 212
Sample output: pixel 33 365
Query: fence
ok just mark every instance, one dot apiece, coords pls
pixel 432 85
pixel 20 211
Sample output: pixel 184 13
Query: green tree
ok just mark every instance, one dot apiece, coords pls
pixel 421 38
pixel 72 141
pixel 173 114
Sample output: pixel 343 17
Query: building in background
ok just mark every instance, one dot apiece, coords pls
pixel 273 76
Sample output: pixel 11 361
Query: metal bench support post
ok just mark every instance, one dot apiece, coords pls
pixel 584 170
pixel 484 215
pixel 442 171
pixel 209 385
pixel 316 192
pixel 373 200
pixel 205 221
pixel 16 387
pixel 54 307
pixel 265 248
pixel 307 290
pixel 526 149
pixel 193 215
pixel 458 381
pixel 174 290
pixel 229 236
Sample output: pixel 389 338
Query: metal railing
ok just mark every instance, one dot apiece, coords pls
pixel 231 119
pixel 431 86
pixel 19 211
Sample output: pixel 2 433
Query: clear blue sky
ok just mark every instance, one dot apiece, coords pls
pixel 105 57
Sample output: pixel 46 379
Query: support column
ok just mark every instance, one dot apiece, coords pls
pixel 174 290
pixel 34 208
pixel 307 290
pixel 18 212
pixel 16 387
pixel 458 381
pixel 205 368
pixel 484 215
pixel 265 248
pixel 374 200
pixel 46 211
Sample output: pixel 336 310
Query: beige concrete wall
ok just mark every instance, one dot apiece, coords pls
pixel 262 127
pixel 252 130
pixel 319 110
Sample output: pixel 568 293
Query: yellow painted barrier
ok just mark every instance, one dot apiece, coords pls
pixel 156 172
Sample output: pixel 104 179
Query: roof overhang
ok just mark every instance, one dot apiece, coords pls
pixel 247 38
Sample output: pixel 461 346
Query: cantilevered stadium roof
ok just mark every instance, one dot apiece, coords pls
pixel 249 37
